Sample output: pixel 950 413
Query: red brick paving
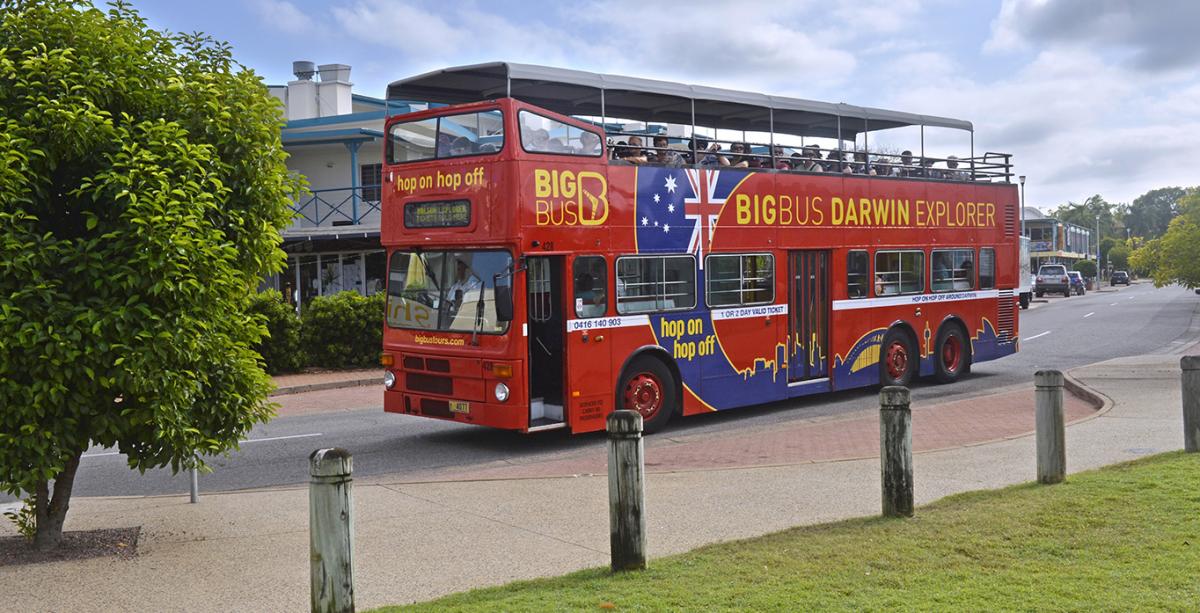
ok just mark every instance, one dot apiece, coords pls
pixel 951 424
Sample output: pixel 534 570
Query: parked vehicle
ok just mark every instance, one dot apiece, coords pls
pixel 1077 284
pixel 1052 278
pixel 1119 277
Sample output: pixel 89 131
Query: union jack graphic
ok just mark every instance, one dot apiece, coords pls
pixel 677 209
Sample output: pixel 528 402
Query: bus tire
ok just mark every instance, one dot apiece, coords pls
pixel 897 358
pixel 952 354
pixel 648 387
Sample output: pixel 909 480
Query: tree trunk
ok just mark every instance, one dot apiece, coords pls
pixel 52 512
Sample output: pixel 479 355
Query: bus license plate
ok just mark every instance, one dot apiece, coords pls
pixel 458 406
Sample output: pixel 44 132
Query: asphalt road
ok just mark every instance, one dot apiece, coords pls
pixel 1062 333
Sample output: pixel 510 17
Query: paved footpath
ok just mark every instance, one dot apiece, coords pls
pixel 248 551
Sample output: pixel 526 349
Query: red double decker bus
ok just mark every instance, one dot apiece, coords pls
pixel 562 244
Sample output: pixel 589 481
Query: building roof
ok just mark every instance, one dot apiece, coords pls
pixel 575 92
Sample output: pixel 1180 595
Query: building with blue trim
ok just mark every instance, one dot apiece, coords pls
pixel 334 138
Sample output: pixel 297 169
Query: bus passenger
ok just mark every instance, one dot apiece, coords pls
pixel 738 161
pixel 462 146
pixel 907 169
pixel 664 155
pixel 813 159
pixel 589 143
pixel 952 172
pixel 634 153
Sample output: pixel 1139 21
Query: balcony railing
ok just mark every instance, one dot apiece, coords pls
pixel 338 206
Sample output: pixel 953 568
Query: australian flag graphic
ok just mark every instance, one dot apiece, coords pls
pixel 677 208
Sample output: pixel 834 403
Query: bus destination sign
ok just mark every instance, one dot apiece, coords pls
pixel 437 214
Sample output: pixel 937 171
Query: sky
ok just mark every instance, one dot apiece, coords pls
pixel 1089 96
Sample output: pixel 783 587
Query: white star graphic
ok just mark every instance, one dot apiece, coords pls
pixel 671 184
pixel 670 208
pixel 656 224
pixel 656 198
pixel 645 221
pixel 666 227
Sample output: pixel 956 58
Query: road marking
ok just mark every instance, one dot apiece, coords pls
pixel 281 438
pixel 1089 315
pixel 1029 338
pixel 249 440
pixel 1113 304
pixel 1132 297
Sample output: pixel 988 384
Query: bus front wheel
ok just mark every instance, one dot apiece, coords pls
pixel 897 359
pixel 649 388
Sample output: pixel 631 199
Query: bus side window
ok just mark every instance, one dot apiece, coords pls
pixel 857 273
pixel 591 286
pixel 987 268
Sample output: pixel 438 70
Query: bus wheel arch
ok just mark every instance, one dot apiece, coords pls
pixel 899 355
pixel 650 383
pixel 952 350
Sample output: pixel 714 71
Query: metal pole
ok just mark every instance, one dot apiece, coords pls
pixel 1051 431
pixel 626 491
pixel 331 531
pixel 195 493
pixel 895 451
pixel 1190 365
pixel 1022 179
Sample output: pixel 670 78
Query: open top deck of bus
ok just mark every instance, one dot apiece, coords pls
pixel 603 96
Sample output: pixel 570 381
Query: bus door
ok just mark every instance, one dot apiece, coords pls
pixel 808 330
pixel 589 360
pixel 544 280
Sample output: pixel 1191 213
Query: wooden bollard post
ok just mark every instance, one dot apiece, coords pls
pixel 895 451
pixel 1051 431
pixel 626 491
pixel 331 531
pixel 1190 365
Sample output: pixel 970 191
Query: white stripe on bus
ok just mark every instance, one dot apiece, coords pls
pixel 914 299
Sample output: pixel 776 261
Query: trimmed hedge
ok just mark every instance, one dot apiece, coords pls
pixel 281 351
pixel 343 330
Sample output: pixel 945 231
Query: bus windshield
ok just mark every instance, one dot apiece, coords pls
pixel 446 290
pixel 446 137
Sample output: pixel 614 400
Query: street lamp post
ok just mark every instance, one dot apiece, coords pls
pixel 1022 180
pixel 1097 248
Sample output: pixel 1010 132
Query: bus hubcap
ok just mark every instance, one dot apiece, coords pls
pixel 644 395
pixel 897 360
pixel 951 354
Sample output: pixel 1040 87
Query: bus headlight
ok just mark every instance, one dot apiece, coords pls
pixel 389 379
pixel 501 392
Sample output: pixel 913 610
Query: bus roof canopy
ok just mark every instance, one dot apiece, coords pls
pixel 575 92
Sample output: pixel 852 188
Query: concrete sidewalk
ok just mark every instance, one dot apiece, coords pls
pixel 249 550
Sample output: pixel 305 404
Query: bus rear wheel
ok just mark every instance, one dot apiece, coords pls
pixel 649 389
pixel 897 359
pixel 953 355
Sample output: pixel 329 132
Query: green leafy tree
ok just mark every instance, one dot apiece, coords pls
pixel 1085 214
pixel 1175 257
pixel 1118 257
pixel 1150 213
pixel 1087 268
pixel 142 189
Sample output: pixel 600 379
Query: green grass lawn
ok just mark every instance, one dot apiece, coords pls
pixel 1125 538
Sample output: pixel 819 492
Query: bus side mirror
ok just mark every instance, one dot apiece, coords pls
pixel 504 298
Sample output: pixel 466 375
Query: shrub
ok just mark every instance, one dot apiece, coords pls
pixel 281 350
pixel 1087 268
pixel 343 330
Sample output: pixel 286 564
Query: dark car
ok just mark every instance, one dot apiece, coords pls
pixel 1077 284
pixel 1052 278
pixel 1119 277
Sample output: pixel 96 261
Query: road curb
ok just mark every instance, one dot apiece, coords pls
pixel 1102 403
pixel 328 385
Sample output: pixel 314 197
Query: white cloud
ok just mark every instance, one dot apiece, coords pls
pixel 283 15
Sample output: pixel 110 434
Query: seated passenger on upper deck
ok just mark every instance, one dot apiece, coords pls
pixel 664 155
pixel 952 172
pixel 707 153
pixel 812 159
pixel 907 168
pixel 634 153
pixel 462 146
pixel 589 143
pixel 739 160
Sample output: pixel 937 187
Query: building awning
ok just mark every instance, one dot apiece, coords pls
pixel 575 92
pixel 292 235
pixel 324 137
